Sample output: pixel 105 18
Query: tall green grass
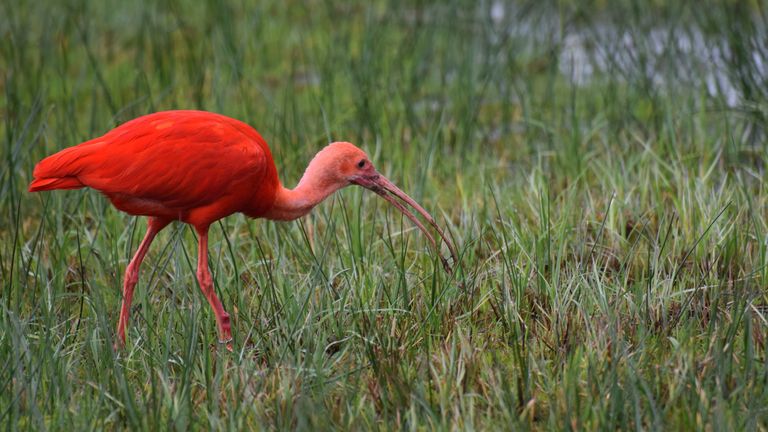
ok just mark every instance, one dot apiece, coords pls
pixel 612 230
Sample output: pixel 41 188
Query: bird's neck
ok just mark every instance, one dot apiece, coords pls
pixel 294 203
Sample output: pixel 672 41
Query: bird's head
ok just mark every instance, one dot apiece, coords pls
pixel 342 164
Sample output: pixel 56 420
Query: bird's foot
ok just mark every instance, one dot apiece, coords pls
pixel 119 345
pixel 227 342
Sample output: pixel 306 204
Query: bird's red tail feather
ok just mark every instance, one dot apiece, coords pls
pixel 60 170
pixel 45 184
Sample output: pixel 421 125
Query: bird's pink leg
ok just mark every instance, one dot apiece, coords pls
pixel 154 225
pixel 206 285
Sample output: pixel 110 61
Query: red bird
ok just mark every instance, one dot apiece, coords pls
pixel 198 167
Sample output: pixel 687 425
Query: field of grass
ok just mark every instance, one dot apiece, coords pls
pixel 600 165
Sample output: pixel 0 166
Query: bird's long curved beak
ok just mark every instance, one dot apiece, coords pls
pixel 387 190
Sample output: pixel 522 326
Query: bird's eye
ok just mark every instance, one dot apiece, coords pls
pixel 361 164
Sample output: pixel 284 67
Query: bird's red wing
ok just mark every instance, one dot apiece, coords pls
pixel 180 160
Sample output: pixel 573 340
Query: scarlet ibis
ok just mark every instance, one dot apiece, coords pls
pixel 198 167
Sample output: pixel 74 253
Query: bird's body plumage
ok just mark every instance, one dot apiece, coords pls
pixel 192 166
pixel 198 167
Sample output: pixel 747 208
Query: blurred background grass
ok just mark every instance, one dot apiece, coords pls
pixel 601 165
